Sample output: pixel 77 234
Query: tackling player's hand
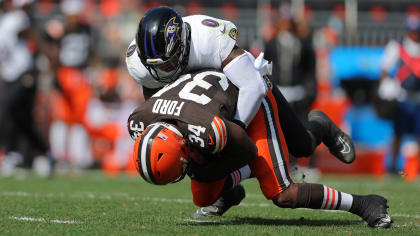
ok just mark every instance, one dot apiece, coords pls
pixel 207 171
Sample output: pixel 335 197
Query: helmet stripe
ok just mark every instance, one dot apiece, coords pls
pixel 153 45
pixel 139 149
pixel 141 154
pixel 145 43
pixel 145 148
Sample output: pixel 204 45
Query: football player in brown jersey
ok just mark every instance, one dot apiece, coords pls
pixel 187 125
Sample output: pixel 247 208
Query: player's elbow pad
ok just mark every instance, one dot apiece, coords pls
pixel 252 87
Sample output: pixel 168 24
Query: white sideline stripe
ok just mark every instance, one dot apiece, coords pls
pixel 224 222
pixel 43 220
pixel 405 225
pixel 170 200
pixel 406 215
pixel 206 221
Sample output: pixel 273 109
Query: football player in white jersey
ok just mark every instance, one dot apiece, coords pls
pixel 167 45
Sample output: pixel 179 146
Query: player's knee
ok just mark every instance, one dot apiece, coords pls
pixel 287 199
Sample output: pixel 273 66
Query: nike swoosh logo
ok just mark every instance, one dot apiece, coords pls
pixel 211 143
pixel 223 30
pixel 203 212
pixel 346 148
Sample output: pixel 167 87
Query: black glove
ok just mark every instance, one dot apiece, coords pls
pixel 208 171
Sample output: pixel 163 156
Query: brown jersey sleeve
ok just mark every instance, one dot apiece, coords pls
pixel 204 130
pixel 135 123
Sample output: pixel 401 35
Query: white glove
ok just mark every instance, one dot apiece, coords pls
pixel 263 66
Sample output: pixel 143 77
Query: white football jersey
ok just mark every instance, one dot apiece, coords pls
pixel 212 40
pixel 15 57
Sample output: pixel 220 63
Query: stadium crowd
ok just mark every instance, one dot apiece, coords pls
pixel 66 94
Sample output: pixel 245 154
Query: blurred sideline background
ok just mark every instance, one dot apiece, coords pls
pixel 65 93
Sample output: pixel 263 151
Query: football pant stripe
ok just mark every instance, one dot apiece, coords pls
pixel 276 152
pixel 281 144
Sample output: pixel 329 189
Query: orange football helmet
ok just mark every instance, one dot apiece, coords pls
pixel 161 154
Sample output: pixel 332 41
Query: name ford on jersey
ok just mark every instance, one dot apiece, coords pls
pixel 167 107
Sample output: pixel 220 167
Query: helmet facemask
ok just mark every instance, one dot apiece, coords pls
pixel 168 70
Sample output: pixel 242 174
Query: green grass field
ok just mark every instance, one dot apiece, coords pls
pixel 93 204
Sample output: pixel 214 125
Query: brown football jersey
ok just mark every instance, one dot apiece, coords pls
pixel 198 104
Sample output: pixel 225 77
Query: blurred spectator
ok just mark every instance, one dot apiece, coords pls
pixel 293 56
pixel 294 63
pixel 19 136
pixel 401 61
pixel 106 111
pixel 68 135
pixel 93 99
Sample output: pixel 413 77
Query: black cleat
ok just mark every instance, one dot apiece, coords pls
pixel 228 199
pixel 338 142
pixel 372 209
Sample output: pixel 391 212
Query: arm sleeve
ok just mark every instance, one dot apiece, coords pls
pixel 210 135
pixel 135 124
pixel 137 71
pixel 252 88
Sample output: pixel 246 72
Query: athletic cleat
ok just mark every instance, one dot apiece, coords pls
pixel 338 142
pixel 373 211
pixel 228 199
